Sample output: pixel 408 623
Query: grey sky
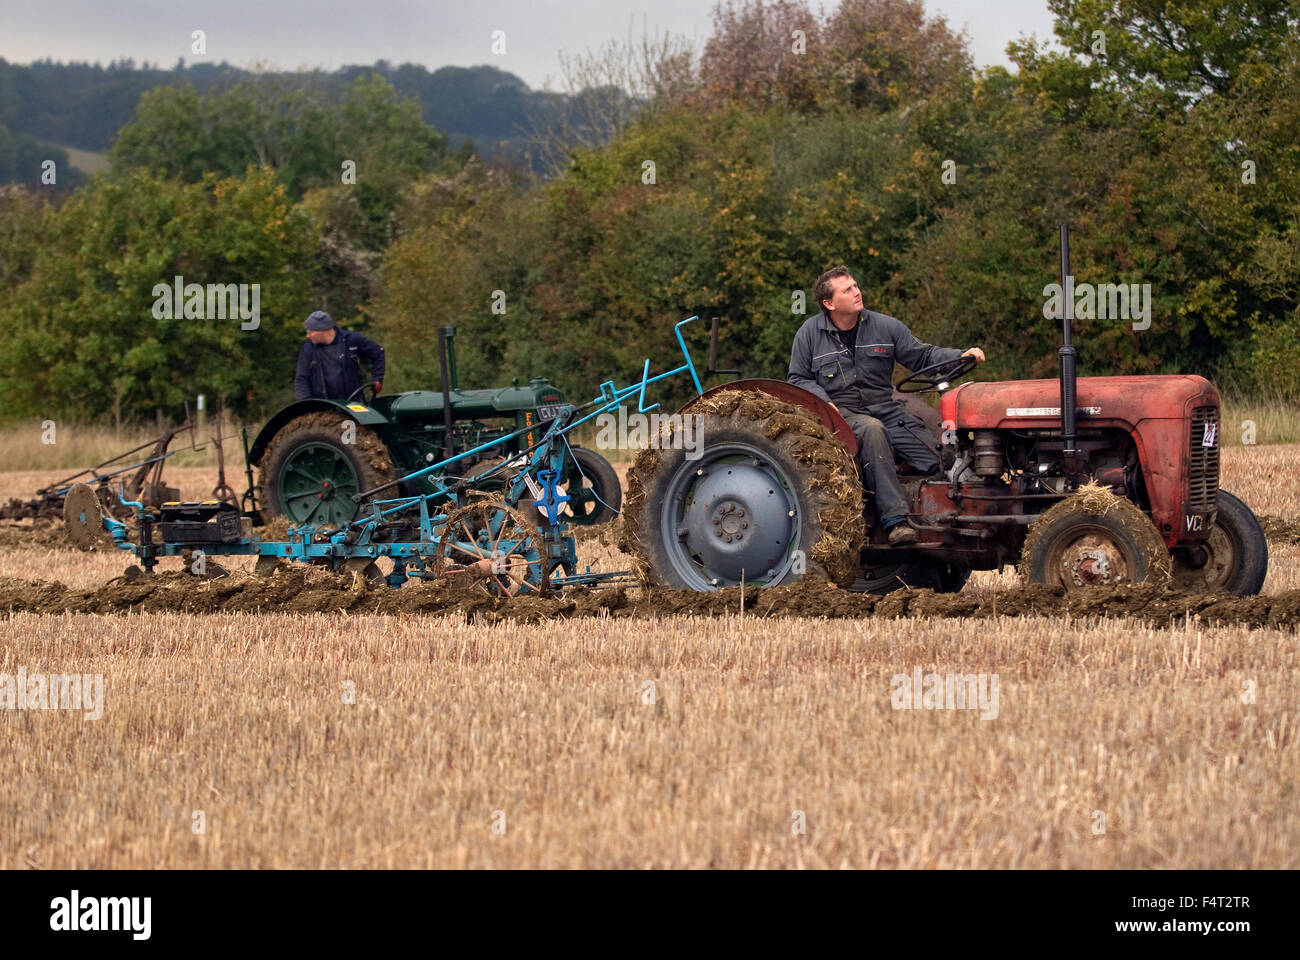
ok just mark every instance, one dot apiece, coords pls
pixel 329 33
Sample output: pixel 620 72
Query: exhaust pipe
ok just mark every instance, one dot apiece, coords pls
pixel 448 441
pixel 1069 359
pixel 713 353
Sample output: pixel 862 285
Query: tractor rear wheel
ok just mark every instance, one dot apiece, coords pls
pixel 1094 539
pixel 767 495
pixel 1234 559
pixel 309 473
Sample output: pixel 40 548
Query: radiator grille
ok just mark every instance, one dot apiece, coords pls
pixel 1203 462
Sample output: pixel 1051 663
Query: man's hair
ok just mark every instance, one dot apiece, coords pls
pixel 822 289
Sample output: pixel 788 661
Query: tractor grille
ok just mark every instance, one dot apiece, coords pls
pixel 1203 462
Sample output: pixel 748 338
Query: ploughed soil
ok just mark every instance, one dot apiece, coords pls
pixel 1280 529
pixel 301 589
pixel 51 533
pixel 297 588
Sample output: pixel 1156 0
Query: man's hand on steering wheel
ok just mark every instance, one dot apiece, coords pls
pixel 367 392
pixel 938 376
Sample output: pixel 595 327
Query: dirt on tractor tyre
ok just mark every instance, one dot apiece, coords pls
pixel 301 589
pixel 830 470
pixel 1093 499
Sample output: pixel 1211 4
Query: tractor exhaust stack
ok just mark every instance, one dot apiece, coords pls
pixel 444 348
pixel 1069 406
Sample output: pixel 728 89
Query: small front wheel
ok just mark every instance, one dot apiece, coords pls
pixel 1233 559
pixel 498 546
pixel 595 495
pixel 1094 539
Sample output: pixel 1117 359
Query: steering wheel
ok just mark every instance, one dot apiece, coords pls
pixel 937 376
pixel 367 400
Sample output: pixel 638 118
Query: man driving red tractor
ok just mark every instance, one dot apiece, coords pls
pixel 845 354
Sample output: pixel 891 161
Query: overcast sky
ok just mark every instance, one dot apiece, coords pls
pixel 288 34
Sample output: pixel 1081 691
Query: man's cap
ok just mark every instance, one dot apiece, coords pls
pixel 320 320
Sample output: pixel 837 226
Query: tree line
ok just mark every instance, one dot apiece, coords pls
pixel 1167 136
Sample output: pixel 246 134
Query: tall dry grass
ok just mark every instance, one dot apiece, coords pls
pixel 78 446
pixel 1272 420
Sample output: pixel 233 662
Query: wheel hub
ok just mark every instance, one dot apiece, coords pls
pixel 1093 561
pixel 316 485
pixel 734 518
pixel 729 519
pixel 1208 566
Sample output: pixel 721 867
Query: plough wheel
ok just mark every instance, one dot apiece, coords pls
pixel 497 545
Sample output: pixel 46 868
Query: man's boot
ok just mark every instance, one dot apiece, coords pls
pixel 902 533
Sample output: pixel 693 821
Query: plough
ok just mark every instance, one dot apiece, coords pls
pixel 503 525
pixel 146 483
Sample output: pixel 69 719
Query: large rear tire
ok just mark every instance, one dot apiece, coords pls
pixel 768 495
pixel 1234 559
pixel 309 473
pixel 1094 539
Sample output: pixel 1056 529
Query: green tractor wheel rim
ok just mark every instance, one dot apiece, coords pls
pixel 316 485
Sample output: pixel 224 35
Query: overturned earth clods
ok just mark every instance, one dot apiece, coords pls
pixel 311 590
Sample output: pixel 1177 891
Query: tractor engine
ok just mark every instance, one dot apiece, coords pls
pixel 1153 440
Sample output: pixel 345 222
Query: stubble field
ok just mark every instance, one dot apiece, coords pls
pixel 617 739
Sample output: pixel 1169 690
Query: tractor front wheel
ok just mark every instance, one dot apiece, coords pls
pixel 1094 539
pixel 310 472
pixel 1234 559
pixel 595 495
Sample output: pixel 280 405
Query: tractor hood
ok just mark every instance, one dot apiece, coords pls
pixel 1103 401
pixel 472 404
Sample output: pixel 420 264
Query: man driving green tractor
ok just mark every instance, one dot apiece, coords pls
pixel 329 363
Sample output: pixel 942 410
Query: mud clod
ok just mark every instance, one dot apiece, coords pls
pixel 1282 530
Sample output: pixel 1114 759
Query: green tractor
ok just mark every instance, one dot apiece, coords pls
pixel 314 455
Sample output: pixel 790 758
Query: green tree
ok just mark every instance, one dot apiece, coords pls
pixel 85 337
pixel 1187 48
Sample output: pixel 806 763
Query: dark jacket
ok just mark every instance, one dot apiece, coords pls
pixel 332 371
pixel 820 363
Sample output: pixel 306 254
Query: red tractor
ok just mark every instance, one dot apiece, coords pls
pixel 1124 488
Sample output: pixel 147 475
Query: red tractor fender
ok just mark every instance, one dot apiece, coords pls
pixel 788 392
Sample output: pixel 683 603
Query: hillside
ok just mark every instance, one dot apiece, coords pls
pixel 82 105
